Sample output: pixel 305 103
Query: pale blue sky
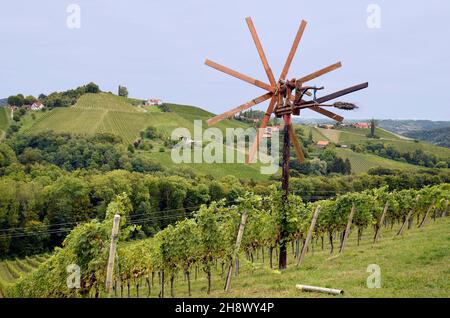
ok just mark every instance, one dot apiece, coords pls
pixel 157 49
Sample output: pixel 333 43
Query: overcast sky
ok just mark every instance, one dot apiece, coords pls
pixel 158 48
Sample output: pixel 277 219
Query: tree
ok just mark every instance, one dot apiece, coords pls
pixel 29 100
pixel 347 167
pixel 372 128
pixel 92 88
pixel 123 91
pixel 16 100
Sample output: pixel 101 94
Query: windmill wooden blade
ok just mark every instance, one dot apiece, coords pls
pixel 236 110
pixel 294 47
pixel 260 51
pixel 321 72
pixel 342 92
pixel 296 143
pixel 315 107
pixel 263 125
pixel 327 113
pixel 241 76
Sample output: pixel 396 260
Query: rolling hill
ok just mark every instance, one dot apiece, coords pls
pixel 126 117
pixel 362 162
pixel 107 113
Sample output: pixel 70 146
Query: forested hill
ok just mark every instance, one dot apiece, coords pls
pixel 440 136
pixel 404 127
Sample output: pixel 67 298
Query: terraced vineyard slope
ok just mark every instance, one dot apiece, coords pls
pixel 12 270
pixel 107 113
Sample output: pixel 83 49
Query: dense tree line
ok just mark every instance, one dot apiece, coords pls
pixel 438 136
pixel 326 163
pixel 416 157
pixel 50 201
pixel 104 152
pixel 55 99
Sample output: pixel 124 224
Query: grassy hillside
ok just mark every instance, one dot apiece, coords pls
pixel 99 113
pixel 5 118
pixel 106 113
pixel 217 170
pixel 362 162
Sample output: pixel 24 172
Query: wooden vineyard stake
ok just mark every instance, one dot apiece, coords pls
pixel 236 250
pixel 112 253
pixel 380 224
pixel 424 220
pixel 404 224
pixel 347 228
pixel 308 237
pixel 286 99
pixel 445 209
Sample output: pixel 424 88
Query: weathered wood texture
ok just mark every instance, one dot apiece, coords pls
pixel 296 143
pixel 238 109
pixel 261 53
pixel 112 253
pixel 236 249
pixel 240 76
pixel 347 228
pixel 294 47
pixel 380 224
pixel 308 237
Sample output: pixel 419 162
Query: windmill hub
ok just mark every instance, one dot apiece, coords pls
pixel 290 97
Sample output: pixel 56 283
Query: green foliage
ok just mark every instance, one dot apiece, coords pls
pixel 208 236
pixel 16 100
pixel 122 91
pixel 416 157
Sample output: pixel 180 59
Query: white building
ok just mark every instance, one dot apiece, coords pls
pixel 37 106
pixel 153 102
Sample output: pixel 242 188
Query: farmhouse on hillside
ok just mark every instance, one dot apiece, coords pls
pixel 361 125
pixel 322 143
pixel 37 106
pixel 153 102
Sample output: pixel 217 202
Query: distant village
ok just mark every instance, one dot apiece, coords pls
pixel 360 125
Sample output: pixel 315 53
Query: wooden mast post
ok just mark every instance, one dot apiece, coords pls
pixel 285 187
pixel 309 236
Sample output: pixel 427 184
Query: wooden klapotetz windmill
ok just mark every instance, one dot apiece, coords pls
pixel 286 99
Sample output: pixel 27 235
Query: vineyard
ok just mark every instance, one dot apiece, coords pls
pixel 12 270
pixel 105 113
pixel 203 245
